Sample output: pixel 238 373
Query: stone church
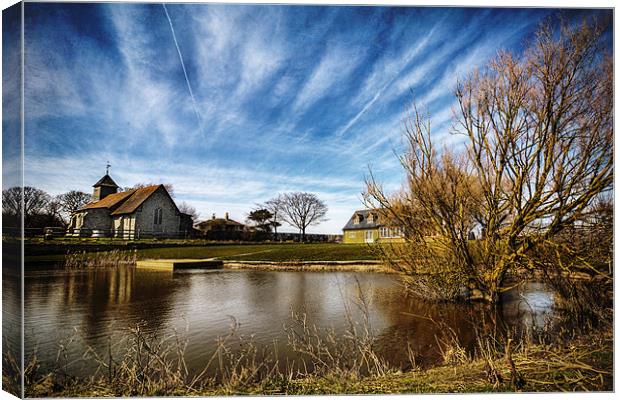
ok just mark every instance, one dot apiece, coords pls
pixel 132 214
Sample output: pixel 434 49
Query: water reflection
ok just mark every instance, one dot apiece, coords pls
pixel 11 326
pixel 11 316
pixel 100 304
pixel 529 306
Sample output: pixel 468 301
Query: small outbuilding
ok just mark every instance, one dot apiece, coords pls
pixel 221 228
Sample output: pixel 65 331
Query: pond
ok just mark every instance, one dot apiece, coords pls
pixel 96 307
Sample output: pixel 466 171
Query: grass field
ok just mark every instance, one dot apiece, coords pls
pixel 267 252
pixel 242 252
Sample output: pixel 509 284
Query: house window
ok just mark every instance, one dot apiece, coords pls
pixel 351 235
pixel 386 232
pixel 370 218
pixel 157 216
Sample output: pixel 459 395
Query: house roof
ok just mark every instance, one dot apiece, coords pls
pixel 136 199
pixel 219 221
pixel 363 224
pixel 106 181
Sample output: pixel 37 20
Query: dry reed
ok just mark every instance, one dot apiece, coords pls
pixel 103 259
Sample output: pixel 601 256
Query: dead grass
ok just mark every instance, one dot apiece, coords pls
pixel 153 366
pixel 104 259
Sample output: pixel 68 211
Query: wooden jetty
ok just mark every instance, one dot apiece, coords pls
pixel 172 265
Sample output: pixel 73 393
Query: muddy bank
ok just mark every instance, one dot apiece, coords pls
pixel 354 266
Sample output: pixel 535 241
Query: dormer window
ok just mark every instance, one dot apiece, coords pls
pixel 357 219
pixel 371 218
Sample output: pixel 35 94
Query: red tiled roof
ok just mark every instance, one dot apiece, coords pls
pixel 110 201
pixel 124 202
pixel 137 198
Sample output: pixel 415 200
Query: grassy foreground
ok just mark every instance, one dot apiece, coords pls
pixel 584 364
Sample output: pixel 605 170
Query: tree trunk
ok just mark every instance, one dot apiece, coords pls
pixel 488 295
pixel 489 291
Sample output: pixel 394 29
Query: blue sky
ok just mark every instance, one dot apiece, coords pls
pixel 233 104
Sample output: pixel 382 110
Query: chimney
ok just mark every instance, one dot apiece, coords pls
pixel 226 216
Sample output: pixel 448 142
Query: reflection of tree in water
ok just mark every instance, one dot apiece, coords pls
pixel 270 295
pixel 423 326
pixel 298 297
pixel 256 285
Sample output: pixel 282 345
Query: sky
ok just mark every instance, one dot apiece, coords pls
pixel 233 104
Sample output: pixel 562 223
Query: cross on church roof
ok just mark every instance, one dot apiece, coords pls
pixel 107 167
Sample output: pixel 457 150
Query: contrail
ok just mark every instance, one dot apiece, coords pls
pixel 189 87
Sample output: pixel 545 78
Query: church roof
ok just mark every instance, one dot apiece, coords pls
pixel 106 181
pixel 111 201
pixel 125 202
pixel 137 198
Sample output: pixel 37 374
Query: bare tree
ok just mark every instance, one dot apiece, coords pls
pixel 538 154
pixel 275 207
pixel 11 208
pixel 68 203
pixel 302 209
pixel 11 201
pixel 189 210
pixel 35 202
pixel 55 211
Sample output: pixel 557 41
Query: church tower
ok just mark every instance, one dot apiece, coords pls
pixel 104 187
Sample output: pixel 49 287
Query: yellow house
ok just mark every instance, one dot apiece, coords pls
pixel 365 226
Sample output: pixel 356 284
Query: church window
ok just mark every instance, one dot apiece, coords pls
pixel 157 217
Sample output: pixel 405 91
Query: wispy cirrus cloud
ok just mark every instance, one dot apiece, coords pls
pixel 337 63
pixel 385 71
pixel 260 59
